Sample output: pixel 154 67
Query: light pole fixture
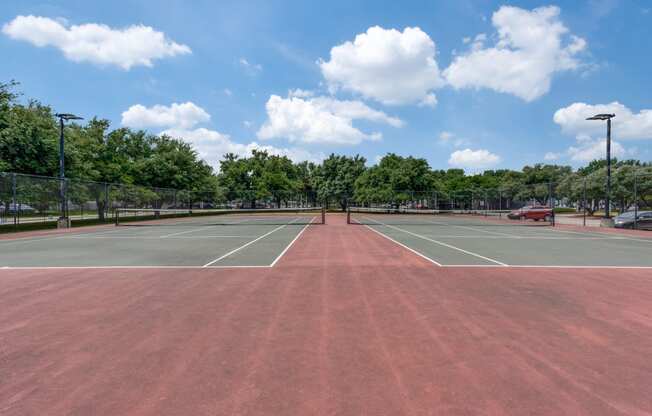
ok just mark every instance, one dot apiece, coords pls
pixel 62 172
pixel 607 117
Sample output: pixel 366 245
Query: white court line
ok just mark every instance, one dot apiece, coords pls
pixel 127 267
pixel 184 232
pixel 143 237
pixel 514 237
pixel 291 242
pixel 404 246
pixel 538 266
pixel 247 244
pixel 607 236
pixel 473 229
pixel 443 244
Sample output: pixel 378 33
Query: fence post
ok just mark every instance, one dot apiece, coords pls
pixel 14 201
pixel 635 202
pixel 551 198
pixel 584 202
pixel 500 203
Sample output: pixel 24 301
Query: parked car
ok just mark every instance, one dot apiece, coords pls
pixel 534 212
pixel 22 208
pixel 626 220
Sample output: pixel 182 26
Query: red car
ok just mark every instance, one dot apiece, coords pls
pixel 535 212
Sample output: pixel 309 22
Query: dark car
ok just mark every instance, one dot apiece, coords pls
pixel 626 220
pixel 535 212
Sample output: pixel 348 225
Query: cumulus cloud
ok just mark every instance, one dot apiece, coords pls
pixel 587 150
pixel 320 120
pixel 386 65
pixel 531 47
pixel 184 116
pixel 136 45
pixel 212 145
pixel 180 121
pixel 627 125
pixel 590 134
pixel 473 159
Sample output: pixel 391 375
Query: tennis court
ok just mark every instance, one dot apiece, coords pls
pixel 482 239
pixel 168 238
pixel 159 239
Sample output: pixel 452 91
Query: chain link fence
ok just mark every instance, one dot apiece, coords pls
pixel 577 200
pixel 40 200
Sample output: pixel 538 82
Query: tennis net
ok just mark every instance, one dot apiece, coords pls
pixel 207 217
pixel 430 217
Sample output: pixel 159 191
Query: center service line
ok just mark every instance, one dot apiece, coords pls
pixel 248 244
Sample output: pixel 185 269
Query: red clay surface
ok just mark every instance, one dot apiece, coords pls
pixel 347 324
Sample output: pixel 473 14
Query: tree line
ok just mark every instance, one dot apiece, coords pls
pixel 29 144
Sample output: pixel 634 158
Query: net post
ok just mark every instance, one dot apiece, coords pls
pixel 117 216
pixel 323 215
pixel 348 215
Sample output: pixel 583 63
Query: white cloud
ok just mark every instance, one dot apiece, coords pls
pixel 473 159
pixel 430 100
pixel 132 46
pixel 300 93
pixel 247 124
pixel 588 150
pixel 552 156
pixel 386 65
pixel 179 121
pixel 251 69
pixel 228 92
pixel 590 134
pixel 213 145
pixel 531 47
pixel 320 120
pixel 626 125
pixel 184 116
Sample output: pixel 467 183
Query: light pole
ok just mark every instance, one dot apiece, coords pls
pixel 607 117
pixel 62 172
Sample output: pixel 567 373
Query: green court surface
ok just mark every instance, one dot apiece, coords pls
pixel 255 244
pixel 477 245
pixel 242 245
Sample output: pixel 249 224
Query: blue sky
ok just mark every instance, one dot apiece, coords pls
pixel 472 84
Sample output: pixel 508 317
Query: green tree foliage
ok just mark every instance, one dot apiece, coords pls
pixel 336 177
pixel 260 177
pixel 28 135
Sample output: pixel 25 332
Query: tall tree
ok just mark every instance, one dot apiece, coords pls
pixel 335 178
